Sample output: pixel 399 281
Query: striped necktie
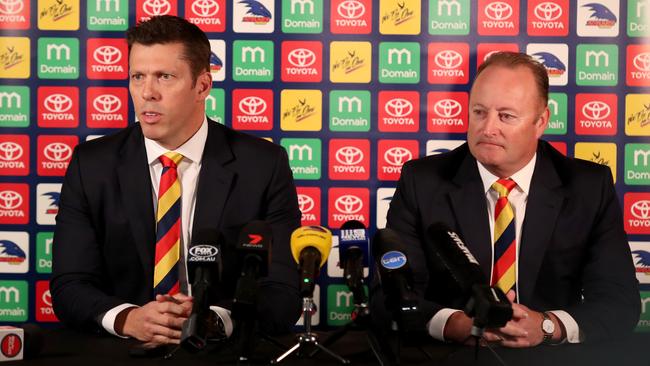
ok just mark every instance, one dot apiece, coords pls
pixel 504 272
pixel 168 227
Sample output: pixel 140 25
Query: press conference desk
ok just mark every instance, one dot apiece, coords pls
pixel 66 347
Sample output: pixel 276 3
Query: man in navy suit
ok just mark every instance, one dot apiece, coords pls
pixel 105 236
pixel 572 267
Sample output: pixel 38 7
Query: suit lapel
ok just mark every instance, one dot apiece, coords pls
pixel 215 180
pixel 470 207
pixel 544 203
pixel 137 198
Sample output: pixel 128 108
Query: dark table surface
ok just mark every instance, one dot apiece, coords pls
pixel 67 347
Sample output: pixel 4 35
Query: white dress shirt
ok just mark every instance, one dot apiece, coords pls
pixel 518 198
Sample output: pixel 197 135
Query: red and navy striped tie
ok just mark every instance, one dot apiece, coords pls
pixel 168 227
pixel 504 271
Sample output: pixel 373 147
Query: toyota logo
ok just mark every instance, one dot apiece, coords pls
pixel 10 151
pixel 349 155
pixel 397 156
pixel 548 11
pixel 252 106
pixel 57 151
pixel 596 110
pixel 448 59
pixel 156 7
pixel 641 209
pixel 47 298
pixel 447 108
pixel 302 57
pixel 351 9
pixel 305 203
pixel 348 204
pixel 107 55
pixel 398 107
pixel 205 8
pixel 107 103
pixel 642 61
pixel 11 7
pixel 57 103
pixel 10 200
pixel 498 10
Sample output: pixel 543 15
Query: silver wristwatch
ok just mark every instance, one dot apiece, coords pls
pixel 548 327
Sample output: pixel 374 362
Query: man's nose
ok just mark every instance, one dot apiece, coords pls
pixel 492 123
pixel 150 90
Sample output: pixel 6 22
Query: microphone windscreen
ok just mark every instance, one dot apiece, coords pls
pixel 311 236
pixel 353 235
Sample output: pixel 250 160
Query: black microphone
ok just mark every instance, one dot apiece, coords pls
pixel 204 268
pixel 489 306
pixel 353 257
pixel 396 279
pixel 310 247
pixel 253 250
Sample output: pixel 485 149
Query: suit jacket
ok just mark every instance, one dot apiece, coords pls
pixel 574 254
pixel 105 231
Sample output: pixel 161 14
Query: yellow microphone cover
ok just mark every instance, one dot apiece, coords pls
pixel 311 236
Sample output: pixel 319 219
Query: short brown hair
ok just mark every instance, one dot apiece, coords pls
pixel 515 59
pixel 165 29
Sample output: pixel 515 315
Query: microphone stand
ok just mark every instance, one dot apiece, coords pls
pixel 308 337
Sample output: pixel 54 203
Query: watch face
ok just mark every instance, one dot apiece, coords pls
pixel 548 326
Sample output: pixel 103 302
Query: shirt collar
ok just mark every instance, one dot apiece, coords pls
pixel 522 177
pixel 192 149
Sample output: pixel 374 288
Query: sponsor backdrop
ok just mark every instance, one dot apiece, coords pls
pixel 351 88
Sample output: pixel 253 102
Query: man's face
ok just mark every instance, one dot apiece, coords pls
pixel 168 105
pixel 506 117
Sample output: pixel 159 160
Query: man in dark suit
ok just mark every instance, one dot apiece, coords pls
pixel 105 238
pixel 567 265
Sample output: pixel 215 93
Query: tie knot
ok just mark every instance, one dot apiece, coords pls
pixel 504 186
pixel 170 159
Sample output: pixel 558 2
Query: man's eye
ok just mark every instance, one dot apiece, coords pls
pixel 479 112
pixel 136 77
pixel 166 76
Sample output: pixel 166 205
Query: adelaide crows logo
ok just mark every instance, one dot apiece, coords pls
pixel 642 261
pixel 11 253
pixel 54 204
pixel 215 62
pixel 601 16
pixel 257 13
pixel 554 66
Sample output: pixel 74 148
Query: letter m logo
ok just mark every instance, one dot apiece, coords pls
pixel 641 155
pixel 300 150
pixel 596 57
pixel 57 49
pixel 350 103
pixel 302 4
pixel 450 6
pixel 10 100
pixel 399 54
pixel 254 53
pixel 107 5
pixel 9 293
pixel 343 296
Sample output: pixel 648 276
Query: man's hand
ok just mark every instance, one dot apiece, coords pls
pixel 524 330
pixel 157 322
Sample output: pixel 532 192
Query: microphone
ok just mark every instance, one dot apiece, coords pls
pixel 204 268
pixel 310 247
pixel 18 343
pixel 253 249
pixel 353 257
pixel 396 279
pixel 489 306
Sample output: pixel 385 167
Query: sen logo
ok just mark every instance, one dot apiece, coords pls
pixel 54 153
pixel 399 111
